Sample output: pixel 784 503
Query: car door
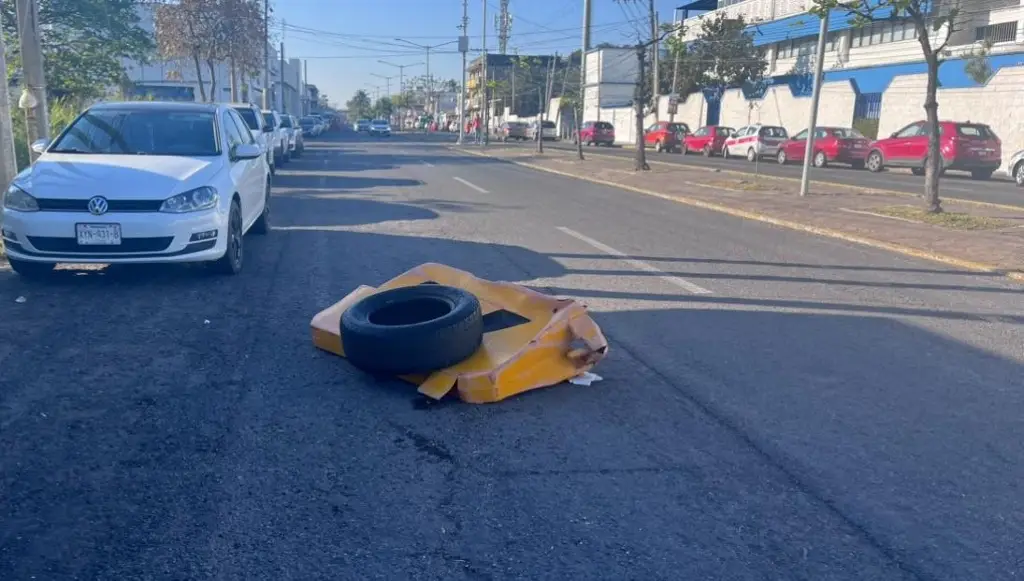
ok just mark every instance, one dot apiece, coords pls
pixel 899 148
pixel 796 146
pixel 241 174
pixel 697 140
pixel 650 134
pixel 258 170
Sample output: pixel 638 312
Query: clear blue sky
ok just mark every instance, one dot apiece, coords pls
pixel 343 39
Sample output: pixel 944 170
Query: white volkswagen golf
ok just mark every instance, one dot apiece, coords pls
pixel 140 183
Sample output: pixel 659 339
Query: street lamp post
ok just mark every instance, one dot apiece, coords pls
pixel 387 81
pixel 430 81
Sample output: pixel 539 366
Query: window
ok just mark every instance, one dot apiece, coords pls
pixel 250 117
pixel 138 131
pixel 801 136
pixel 981 131
pixel 243 129
pixel 727 131
pixel 847 133
pixel 701 132
pixel 1002 32
pixel 821 133
pixel 268 118
pixel 772 132
pixel 909 131
pixel 884 32
pixel 231 130
pixel 654 127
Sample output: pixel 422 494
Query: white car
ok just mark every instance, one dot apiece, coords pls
pixel 141 182
pixel 253 117
pixel 754 142
pixel 278 136
pixel 380 127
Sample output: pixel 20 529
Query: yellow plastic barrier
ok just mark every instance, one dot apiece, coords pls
pixel 530 340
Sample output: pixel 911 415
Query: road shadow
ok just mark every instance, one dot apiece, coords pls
pixel 332 181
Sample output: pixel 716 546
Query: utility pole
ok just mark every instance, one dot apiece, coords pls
pixel 503 24
pixel 430 80
pixel 33 98
pixel 819 67
pixel 487 89
pixel 387 82
pixel 284 107
pixel 307 107
pixel 266 54
pixel 8 158
pixel 463 48
pixel 675 65
pixel 655 87
pixel 583 76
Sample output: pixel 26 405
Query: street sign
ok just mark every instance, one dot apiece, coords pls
pixel 463 44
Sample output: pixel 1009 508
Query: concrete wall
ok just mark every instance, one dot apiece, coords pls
pixel 780 107
pixel 998 104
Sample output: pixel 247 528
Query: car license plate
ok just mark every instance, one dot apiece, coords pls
pixel 98 234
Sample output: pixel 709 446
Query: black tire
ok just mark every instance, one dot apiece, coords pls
pixel 231 262
pixel 29 269
pixel 918 171
pixel 262 224
pixel 416 329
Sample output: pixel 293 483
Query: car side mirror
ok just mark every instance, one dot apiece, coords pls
pixel 893 134
pixel 246 151
pixel 268 128
pixel 39 146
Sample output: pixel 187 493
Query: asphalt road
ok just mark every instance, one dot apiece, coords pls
pixel 774 405
pixel 1000 189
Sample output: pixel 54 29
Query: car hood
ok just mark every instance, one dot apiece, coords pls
pixel 116 177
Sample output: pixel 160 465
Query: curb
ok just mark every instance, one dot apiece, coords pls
pixel 993 205
pixel 1017 276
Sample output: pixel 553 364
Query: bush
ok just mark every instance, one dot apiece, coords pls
pixel 62 113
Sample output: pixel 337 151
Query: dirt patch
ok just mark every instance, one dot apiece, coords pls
pixel 951 220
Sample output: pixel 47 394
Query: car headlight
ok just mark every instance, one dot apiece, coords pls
pixel 18 199
pixel 195 200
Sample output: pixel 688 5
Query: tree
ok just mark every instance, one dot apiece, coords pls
pixel 211 31
pixel 359 106
pixel 928 17
pixel 723 56
pixel 84 44
pixel 383 108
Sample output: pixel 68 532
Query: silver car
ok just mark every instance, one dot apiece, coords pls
pixel 1016 168
pixel 255 122
pixel 278 136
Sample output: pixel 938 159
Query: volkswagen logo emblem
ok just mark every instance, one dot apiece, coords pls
pixel 98 205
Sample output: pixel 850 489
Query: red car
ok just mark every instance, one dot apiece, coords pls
pixel 597 133
pixel 831 144
pixel 970 147
pixel 707 140
pixel 665 136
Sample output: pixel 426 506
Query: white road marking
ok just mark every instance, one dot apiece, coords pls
pixel 426 163
pixel 470 185
pixel 639 264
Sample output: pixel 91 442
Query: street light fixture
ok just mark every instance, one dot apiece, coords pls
pixel 401 73
pixel 387 81
pixel 430 80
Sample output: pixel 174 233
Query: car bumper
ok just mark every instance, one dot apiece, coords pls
pixel 379 132
pixel 146 237
pixel 973 164
pixel 851 155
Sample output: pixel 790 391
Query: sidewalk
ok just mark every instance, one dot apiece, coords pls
pixel 969 235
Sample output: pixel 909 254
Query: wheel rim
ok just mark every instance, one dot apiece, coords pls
pixel 874 162
pixel 1019 174
pixel 819 159
pixel 235 238
pixel 750 155
pixel 782 157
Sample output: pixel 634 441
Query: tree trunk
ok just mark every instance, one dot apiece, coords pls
pixel 640 159
pixel 199 77
pixel 576 114
pixel 212 67
pixel 933 163
pixel 234 82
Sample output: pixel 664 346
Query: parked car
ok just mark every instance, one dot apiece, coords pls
pixel 139 182
pixel 549 130
pixel 321 124
pixel 1016 166
pixel 297 143
pixel 597 133
pixel 512 130
pixel 831 144
pixel 707 140
pixel 755 141
pixel 278 136
pixel 254 121
pixel 290 129
pixel 969 147
pixel 380 127
pixel 665 136
pixel 360 125
pixel 308 125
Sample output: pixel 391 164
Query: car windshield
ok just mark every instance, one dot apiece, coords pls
pixel 306 121
pixel 773 132
pixel 604 125
pixel 678 128
pixel 981 131
pixel 141 132
pixel 249 116
pixel 846 133
pixel 286 122
pixel 361 121
pixel 379 122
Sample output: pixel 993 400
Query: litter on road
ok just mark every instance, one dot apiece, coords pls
pixel 443 328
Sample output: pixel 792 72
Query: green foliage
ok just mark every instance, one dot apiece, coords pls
pixel 977 65
pixel 359 106
pixel 84 43
pixel 383 108
pixel 723 56
pixel 62 113
pixel 867 127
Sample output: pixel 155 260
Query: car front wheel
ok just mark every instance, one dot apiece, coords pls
pixel 1018 174
pixel 874 162
pixel 231 262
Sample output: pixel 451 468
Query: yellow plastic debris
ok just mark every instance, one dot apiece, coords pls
pixel 531 340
